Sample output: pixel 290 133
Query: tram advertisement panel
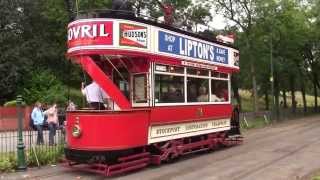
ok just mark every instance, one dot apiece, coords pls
pixel 145 39
pixel 133 35
pixel 178 45
pixel 90 33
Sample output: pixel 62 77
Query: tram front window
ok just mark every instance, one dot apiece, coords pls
pixel 169 89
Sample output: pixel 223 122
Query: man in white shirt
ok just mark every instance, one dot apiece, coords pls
pixel 95 95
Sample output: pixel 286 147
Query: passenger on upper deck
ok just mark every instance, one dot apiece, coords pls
pixel 168 11
pixel 95 95
pixel 123 6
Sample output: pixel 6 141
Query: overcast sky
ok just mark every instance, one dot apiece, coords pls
pixel 218 21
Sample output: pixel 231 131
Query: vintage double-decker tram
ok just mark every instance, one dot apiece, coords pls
pixel 170 89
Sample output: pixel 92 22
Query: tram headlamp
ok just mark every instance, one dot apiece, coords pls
pixel 76 131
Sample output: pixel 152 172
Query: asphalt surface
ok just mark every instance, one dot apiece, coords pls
pixel 288 150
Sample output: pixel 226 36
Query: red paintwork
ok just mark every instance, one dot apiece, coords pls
pixel 125 164
pixel 105 82
pixel 75 34
pixel 108 130
pixel 129 128
pixel 152 57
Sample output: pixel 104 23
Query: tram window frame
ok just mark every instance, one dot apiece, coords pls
pixel 169 69
pixel 165 85
pixel 145 88
pixel 210 77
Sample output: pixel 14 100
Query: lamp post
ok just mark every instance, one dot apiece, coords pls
pixel 21 159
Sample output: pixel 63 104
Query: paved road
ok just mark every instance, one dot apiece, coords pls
pixel 289 150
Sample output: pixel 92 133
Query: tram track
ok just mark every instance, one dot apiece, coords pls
pixel 279 143
pixel 258 168
pixel 260 142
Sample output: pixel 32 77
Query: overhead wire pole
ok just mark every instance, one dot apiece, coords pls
pixel 272 77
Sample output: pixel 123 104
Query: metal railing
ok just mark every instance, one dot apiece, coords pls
pixel 249 119
pixel 191 26
pixel 9 140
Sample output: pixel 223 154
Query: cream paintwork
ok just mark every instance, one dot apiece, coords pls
pixel 161 133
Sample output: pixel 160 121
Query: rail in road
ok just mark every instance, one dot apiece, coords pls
pixel 289 150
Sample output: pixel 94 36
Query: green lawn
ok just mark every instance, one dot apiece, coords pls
pixel 247 100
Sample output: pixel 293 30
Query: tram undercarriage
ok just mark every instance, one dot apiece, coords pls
pixel 110 163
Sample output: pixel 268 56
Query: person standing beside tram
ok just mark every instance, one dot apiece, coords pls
pixel 95 95
pixel 52 114
pixel 38 120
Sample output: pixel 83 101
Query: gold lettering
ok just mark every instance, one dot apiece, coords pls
pixel 196 126
pixel 170 130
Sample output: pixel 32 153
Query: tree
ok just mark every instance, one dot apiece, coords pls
pixel 242 13
pixel 13 62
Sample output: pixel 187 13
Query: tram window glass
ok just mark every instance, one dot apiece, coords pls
pixel 170 69
pixel 169 89
pixel 122 82
pixel 197 72
pixel 198 90
pixel 215 74
pixel 219 75
pixel 223 75
pixel 140 88
pixel 219 91
pixel 175 69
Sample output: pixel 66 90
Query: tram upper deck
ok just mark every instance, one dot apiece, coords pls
pixel 138 61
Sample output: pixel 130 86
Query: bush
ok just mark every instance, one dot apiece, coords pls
pixel 45 155
pixel 43 86
pixel 12 103
pixel 8 162
pixel 77 97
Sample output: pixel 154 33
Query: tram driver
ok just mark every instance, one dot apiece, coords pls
pixel 95 96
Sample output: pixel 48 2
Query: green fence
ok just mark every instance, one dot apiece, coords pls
pixel 36 155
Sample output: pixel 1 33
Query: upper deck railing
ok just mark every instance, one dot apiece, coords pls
pixel 131 15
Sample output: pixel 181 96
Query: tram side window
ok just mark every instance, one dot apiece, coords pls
pixel 219 91
pixel 198 90
pixel 169 89
pixel 140 88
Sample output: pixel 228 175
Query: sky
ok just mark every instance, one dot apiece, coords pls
pixel 218 21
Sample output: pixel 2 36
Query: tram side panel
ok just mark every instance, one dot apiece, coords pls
pixel 167 123
pixel 104 131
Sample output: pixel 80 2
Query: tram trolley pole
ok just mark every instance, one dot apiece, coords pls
pixel 21 158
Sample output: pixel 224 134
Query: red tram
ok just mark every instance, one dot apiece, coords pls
pixel 170 90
